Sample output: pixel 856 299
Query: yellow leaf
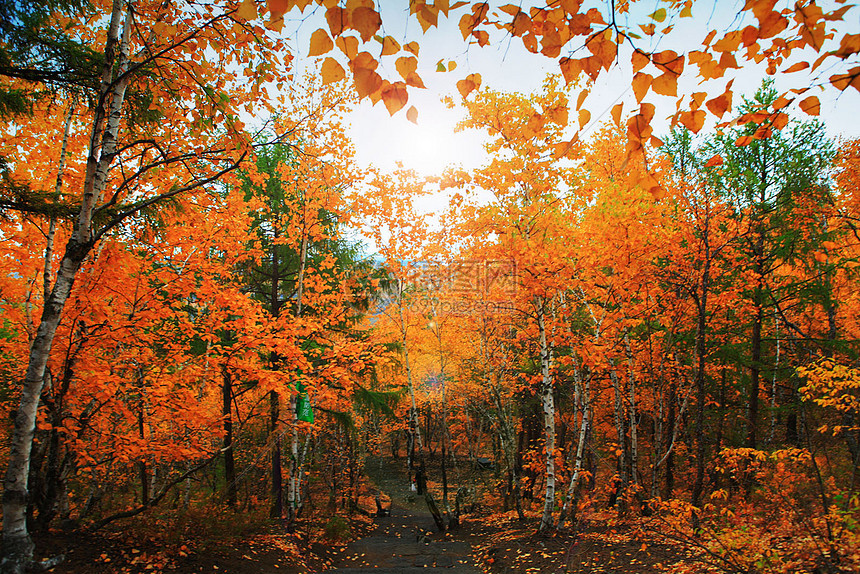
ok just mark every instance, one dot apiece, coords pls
pixel 468 84
pixel 320 43
pixel 332 71
pixel 406 65
pixel 367 81
pixel 247 10
pixel 558 115
pixel 452 65
pixel 659 15
pixel 390 46
pixel 411 47
pixel 348 45
pixel 584 118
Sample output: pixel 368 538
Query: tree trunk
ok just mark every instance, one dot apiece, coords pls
pixel 276 510
pixel 229 459
pixel 17 545
pixel 548 405
pixel 571 500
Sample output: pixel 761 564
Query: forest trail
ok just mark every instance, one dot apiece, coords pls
pixel 405 542
pixel 407 539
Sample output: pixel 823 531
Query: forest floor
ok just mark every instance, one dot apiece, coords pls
pixel 490 542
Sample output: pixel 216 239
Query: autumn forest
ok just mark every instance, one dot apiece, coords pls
pixel 636 328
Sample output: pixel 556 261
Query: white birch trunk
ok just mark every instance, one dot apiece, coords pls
pixel 580 450
pixel 17 544
pixel 548 404
pixel 294 483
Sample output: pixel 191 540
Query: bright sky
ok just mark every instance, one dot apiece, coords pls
pixel 433 144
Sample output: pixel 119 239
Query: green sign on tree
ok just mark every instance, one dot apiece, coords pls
pixel 304 411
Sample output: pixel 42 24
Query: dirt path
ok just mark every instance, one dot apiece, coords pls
pixel 405 543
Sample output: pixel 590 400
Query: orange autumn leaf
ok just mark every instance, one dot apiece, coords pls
pixel 796 67
pixel 584 118
pixel 521 24
pixel 558 115
pixel 348 45
pixel 714 161
pixel 367 81
pixel 811 105
pixel 772 24
pixel 669 61
pixel 781 102
pixel 320 43
pixel 366 20
pixel 641 84
pixel 465 87
pixel 406 65
pixel 468 22
pixel 395 96
pixel 648 29
pixel 412 115
pixel 389 46
pixel 581 98
pixel 844 81
pixel 693 120
pixel 639 60
pixel 468 84
pixel 666 84
pixel 616 113
pixel 278 7
pixel 336 18
pixel 332 71
pixel 247 10
pixel 412 47
pixel 570 69
pixel 719 105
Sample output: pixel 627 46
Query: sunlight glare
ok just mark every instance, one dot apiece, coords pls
pixel 428 147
